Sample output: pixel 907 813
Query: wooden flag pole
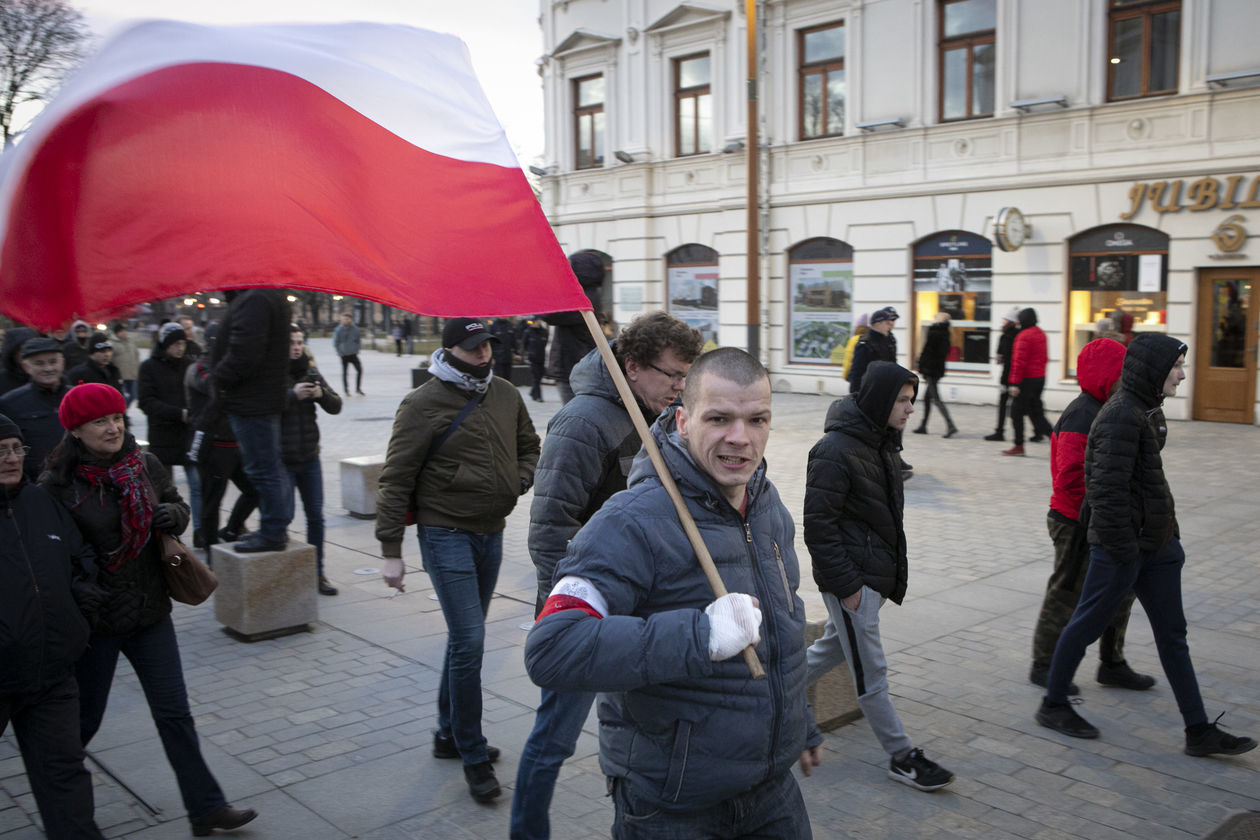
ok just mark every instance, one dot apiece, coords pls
pixel 667 480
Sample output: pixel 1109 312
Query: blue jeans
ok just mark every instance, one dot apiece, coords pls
pixel 154 655
pixel 308 480
pixel 194 492
pixel 259 440
pixel 1156 578
pixel 130 390
pixel 464 568
pixel 553 739
pixel 773 809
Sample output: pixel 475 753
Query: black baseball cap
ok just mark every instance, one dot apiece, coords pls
pixel 465 333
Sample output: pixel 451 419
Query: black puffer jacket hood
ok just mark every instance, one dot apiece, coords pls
pixel 1027 318
pixel 1147 363
pixel 881 384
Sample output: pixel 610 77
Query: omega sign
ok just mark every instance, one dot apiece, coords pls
pixel 1204 194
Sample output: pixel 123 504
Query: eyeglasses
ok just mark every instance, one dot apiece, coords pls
pixel 676 378
pixel 14 452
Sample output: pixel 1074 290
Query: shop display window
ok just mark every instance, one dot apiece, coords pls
pixel 1114 271
pixel 953 273
pixel 820 300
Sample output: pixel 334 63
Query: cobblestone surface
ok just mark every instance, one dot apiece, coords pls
pixel 328 733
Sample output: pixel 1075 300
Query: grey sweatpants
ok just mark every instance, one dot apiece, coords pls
pixel 853 636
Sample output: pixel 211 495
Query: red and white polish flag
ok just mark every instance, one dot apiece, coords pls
pixel 361 159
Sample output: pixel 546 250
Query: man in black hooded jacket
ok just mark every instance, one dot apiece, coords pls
pixel 1134 546
pixel 856 539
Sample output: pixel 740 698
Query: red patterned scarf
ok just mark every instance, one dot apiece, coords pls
pixel 129 476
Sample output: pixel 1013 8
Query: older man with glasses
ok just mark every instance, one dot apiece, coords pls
pixel 33 407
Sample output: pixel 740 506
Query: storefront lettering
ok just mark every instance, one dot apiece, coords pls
pixel 1204 194
pixel 1229 236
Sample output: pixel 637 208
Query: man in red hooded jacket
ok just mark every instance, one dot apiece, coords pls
pixel 1097 371
pixel 1027 380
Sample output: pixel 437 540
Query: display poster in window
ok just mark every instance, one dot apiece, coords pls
pixel 953 273
pixel 821 310
pixel 693 298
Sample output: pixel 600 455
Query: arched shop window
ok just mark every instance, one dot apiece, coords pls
pixel 953 273
pixel 820 300
pixel 1113 270
pixel 691 276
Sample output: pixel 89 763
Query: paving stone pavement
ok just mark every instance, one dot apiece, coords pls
pixel 327 733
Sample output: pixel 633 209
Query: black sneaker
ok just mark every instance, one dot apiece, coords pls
pixel 919 772
pixel 256 542
pixel 444 747
pixel 995 436
pixel 1036 438
pixel 482 783
pixel 1210 739
pixel 1121 675
pixel 1061 717
pixel 1041 676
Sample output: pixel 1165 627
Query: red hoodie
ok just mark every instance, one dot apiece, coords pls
pixel 1029 355
pixel 1097 370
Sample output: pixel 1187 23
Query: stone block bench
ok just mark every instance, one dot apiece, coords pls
pixel 359 477
pixel 833 696
pixel 266 594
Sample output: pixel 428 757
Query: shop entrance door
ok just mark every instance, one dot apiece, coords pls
pixel 1225 345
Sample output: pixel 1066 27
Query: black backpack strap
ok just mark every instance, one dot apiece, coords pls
pixel 450 430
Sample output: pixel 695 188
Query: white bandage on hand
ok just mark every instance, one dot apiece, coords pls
pixel 734 624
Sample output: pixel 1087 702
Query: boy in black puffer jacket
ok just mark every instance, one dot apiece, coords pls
pixel 856 539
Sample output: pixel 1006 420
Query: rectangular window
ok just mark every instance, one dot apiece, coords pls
pixel 693 106
pixel 821 86
pixel 588 121
pixel 1145 47
pixel 967 58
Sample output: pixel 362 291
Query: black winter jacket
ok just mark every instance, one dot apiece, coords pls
pixel 874 347
pixel 251 355
pixel 163 400
pixel 299 431
pixel 135 592
pixel 935 351
pixel 853 492
pixel 1006 346
pixel 34 409
pixel 42 631
pixel 89 371
pixel 1130 506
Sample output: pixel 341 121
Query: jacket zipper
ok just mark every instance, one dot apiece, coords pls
pixel 787 589
pixel 772 675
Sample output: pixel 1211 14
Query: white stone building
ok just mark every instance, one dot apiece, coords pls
pixel 892 134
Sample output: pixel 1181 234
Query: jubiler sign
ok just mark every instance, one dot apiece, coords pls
pixel 1203 194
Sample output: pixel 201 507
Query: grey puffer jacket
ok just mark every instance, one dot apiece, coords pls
pixel 685 732
pixel 590 446
pixel 1130 506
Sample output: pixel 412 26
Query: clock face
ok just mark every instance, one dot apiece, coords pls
pixel 1011 229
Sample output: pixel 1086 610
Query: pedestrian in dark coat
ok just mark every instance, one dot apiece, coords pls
pixel 33 407
pixel 100 366
pixel 573 339
pixel 878 345
pixel 534 349
pixel 75 345
pixel 164 402
pixel 932 366
pixel 1006 343
pixel 12 376
pixel 1027 376
pixel 504 350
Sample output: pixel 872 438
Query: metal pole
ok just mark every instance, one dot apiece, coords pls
pixel 752 150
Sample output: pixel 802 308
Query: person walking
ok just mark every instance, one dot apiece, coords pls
pixel 121 498
pixel 100 366
pixel 855 533
pixel 878 345
pixel 409 332
pixel 1010 326
pixel 932 367
pixel 299 436
pixel 462 451
pixel 1134 546
pixel 165 403
pixel 397 333
pixel 127 358
pixel 12 375
pixel 347 342
pixel 1029 357
pixel 591 443
pixel 1097 371
pixel 534 350
pixel 504 348
pixel 46 580
pixel 33 406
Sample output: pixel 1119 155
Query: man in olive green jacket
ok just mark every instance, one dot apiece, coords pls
pixel 461 485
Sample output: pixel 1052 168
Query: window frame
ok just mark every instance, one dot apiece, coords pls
pixel 822 67
pixel 1117 11
pixel 695 93
pixel 968 41
pixel 590 113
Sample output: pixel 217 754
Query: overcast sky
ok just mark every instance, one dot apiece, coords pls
pixel 502 36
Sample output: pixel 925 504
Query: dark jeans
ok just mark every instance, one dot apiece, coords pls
pixel 346 362
pixel 930 395
pixel 46 724
pixel 1156 578
pixel 773 810
pixel 1028 404
pixel 220 465
pixel 553 739
pixel 259 440
pixel 154 655
pixel 536 370
pixel 1063 593
pixel 464 568
pixel 1003 399
pixel 307 480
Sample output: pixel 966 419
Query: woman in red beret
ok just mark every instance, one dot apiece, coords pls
pixel 119 496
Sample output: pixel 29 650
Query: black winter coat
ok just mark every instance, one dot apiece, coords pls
pixel 135 592
pixel 854 497
pixel 34 409
pixel 1130 506
pixel 299 431
pixel 251 355
pixel 935 351
pixel 163 400
pixel 42 631
pixel 1006 347
pixel 874 347
pixel 89 371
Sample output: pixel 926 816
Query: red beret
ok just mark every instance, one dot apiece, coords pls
pixel 85 403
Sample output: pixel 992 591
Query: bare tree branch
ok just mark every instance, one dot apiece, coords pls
pixel 40 41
